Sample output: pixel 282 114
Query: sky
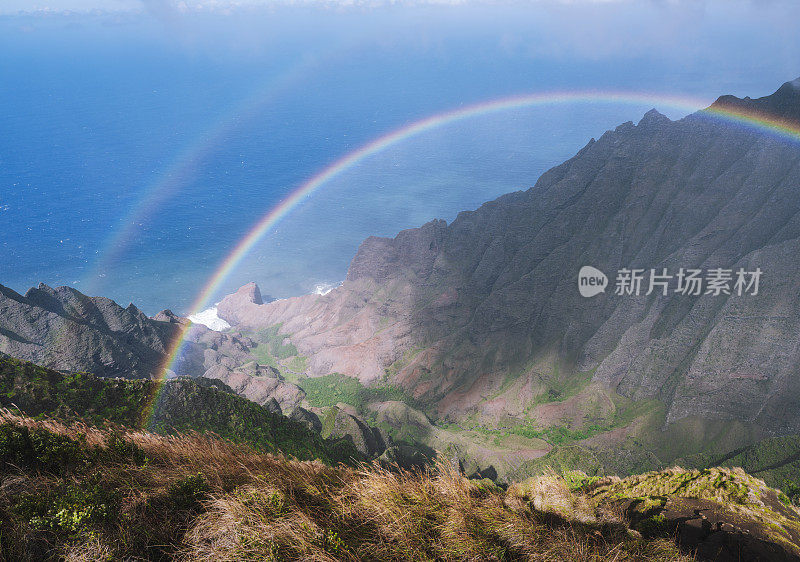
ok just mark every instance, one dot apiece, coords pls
pixel 594 29
pixel 22 6
pixel 172 127
pixel 17 6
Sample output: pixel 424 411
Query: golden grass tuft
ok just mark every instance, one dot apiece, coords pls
pixel 147 522
pixel 549 493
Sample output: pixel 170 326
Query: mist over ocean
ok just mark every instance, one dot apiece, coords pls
pixel 121 177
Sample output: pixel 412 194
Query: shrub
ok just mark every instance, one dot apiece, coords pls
pixel 69 510
pixel 39 449
pixel 124 449
pixel 189 492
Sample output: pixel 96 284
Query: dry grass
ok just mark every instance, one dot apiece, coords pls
pixel 261 507
pixel 376 514
pixel 150 513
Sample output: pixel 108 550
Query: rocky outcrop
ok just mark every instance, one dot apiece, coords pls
pixel 261 384
pixel 711 530
pixel 483 316
pixel 238 308
pixel 342 423
pixel 65 330
pixel 715 514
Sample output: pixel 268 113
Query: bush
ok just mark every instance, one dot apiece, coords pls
pixel 69 510
pixel 189 492
pixel 791 491
pixel 577 479
pixel 39 449
pixel 125 449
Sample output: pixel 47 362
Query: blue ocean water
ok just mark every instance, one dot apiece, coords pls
pixel 137 149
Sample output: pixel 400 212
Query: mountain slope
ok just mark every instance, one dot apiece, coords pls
pixel 63 329
pixel 482 320
pixel 182 405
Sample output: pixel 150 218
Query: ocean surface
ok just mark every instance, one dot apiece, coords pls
pixel 136 150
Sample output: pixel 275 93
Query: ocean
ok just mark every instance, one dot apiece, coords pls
pixel 136 150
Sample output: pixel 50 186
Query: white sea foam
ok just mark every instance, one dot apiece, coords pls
pixel 324 288
pixel 210 319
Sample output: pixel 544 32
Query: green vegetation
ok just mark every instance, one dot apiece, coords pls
pixel 776 460
pixel 68 511
pixel 189 492
pixel 626 411
pixel 37 449
pixel 264 357
pixel 564 460
pixel 578 480
pixel 791 491
pixel 335 388
pixel 298 364
pixel 177 406
pixel 328 421
pixel 558 435
pixel 272 351
pixel 717 484
pixel 331 389
pixel 274 340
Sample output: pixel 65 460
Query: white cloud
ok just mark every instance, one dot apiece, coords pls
pixel 178 6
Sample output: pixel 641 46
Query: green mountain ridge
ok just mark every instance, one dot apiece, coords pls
pixel 179 405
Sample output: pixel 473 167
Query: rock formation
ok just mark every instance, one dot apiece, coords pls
pixel 482 317
pixel 66 330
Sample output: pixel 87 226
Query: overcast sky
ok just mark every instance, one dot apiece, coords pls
pixel 23 6
pixel 18 6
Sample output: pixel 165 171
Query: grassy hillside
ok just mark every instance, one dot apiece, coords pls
pixel 180 406
pixel 80 493
pixel 775 460
pixel 76 492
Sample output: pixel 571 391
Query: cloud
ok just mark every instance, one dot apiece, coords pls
pixel 46 7
pixel 173 8
pixel 166 11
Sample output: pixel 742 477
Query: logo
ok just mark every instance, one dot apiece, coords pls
pixel 714 281
pixel 591 281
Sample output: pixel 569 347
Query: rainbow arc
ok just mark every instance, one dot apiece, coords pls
pixel 732 116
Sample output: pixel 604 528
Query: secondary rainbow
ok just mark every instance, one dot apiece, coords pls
pixel 782 129
pixel 177 176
